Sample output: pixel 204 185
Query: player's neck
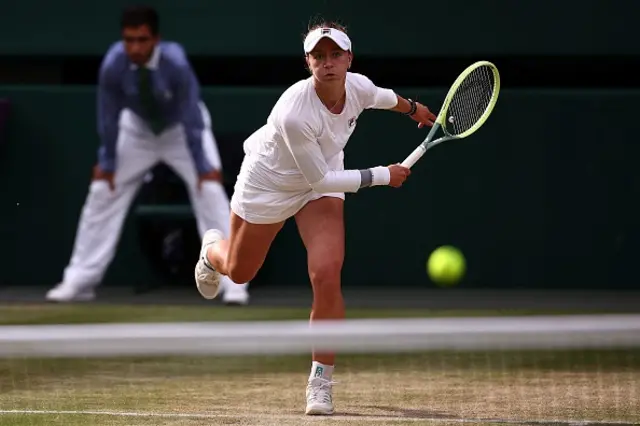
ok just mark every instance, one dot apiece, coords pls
pixel 331 94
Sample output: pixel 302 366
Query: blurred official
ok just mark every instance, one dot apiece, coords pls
pixel 149 111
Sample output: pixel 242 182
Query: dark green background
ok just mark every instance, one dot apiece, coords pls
pixel 544 195
pixel 257 27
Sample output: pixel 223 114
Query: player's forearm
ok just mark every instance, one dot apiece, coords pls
pixel 352 180
pixel 404 106
pixel 194 142
pixel 109 106
pixel 192 120
pixel 107 158
pixel 107 151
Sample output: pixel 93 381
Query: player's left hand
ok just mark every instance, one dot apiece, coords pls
pixel 423 116
pixel 213 175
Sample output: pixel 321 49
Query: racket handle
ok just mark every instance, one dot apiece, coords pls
pixel 414 156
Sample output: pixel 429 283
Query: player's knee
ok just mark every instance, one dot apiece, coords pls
pixel 99 193
pixel 325 274
pixel 99 187
pixel 240 274
pixel 325 279
pixel 212 187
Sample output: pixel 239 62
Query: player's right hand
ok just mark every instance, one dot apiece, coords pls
pixel 398 174
pixel 99 174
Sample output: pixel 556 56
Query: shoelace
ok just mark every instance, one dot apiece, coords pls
pixel 204 273
pixel 319 389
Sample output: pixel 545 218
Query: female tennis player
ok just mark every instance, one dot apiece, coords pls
pixel 293 167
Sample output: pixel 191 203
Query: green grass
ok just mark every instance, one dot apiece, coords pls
pixel 98 313
pixel 523 385
pixel 395 389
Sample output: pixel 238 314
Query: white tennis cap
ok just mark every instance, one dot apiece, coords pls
pixel 340 38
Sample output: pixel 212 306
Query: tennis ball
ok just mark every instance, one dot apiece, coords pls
pixel 446 266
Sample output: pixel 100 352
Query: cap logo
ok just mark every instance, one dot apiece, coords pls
pixel 325 31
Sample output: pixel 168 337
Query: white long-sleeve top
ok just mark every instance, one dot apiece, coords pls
pixel 301 145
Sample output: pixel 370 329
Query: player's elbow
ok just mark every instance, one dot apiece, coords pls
pixel 322 185
pixel 319 188
pixel 385 98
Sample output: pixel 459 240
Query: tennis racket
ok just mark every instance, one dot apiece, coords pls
pixel 467 106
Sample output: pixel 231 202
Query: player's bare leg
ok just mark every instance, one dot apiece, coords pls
pixel 240 257
pixel 321 226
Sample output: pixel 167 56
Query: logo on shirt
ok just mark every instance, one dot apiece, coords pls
pixel 352 121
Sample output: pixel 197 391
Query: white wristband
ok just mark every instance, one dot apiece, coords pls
pixel 380 176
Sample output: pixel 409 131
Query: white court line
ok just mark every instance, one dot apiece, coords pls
pixel 334 418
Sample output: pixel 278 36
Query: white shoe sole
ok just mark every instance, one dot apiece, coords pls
pixel 83 296
pixel 318 411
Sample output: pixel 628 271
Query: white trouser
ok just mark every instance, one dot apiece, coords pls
pixel 104 211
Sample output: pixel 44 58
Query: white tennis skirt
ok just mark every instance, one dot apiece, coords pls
pixel 256 201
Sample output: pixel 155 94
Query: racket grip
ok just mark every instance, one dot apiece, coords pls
pixel 414 156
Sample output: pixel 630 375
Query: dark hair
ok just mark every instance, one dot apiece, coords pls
pixel 319 22
pixel 136 16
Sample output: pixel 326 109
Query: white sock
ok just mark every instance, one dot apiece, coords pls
pixel 321 370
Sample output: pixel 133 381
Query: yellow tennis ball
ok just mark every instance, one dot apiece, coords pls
pixel 446 266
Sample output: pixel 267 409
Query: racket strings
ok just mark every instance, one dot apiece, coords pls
pixel 470 101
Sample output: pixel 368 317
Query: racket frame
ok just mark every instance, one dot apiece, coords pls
pixel 440 121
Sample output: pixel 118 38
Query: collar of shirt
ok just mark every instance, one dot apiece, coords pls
pixel 152 63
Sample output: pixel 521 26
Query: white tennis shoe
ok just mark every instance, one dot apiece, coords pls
pixel 207 278
pixel 319 397
pixel 65 292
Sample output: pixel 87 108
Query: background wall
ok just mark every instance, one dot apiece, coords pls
pixel 545 195
pixel 254 27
